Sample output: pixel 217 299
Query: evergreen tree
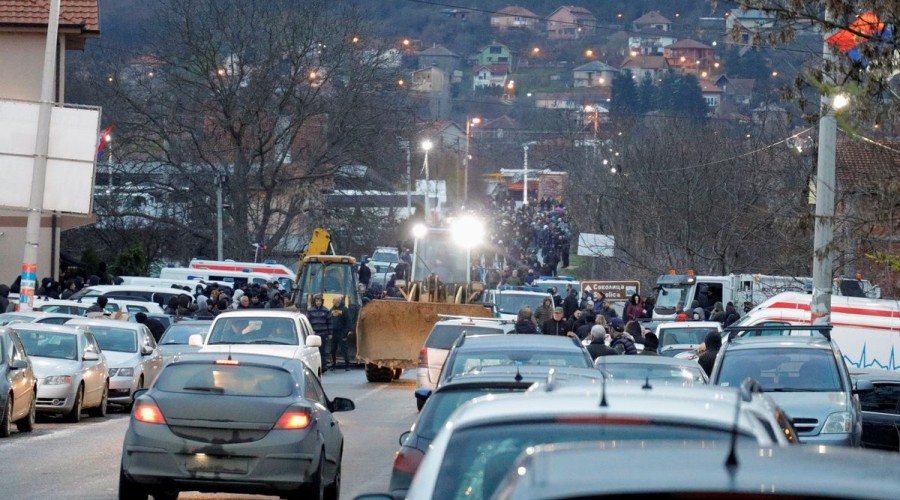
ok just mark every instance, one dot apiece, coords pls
pixel 648 99
pixel 624 94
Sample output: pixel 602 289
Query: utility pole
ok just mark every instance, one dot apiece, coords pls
pixel 408 146
pixel 427 145
pixel 221 179
pixel 820 305
pixel 525 177
pixel 41 150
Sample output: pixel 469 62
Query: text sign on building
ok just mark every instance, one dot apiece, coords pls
pixel 614 290
pixel 71 159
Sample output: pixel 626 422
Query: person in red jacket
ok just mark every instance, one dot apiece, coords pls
pixel 634 309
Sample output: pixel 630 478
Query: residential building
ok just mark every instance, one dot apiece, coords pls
pixel 514 17
pixel 711 94
pixel 738 91
pixel 771 117
pixel 639 66
pixel 489 75
pixel 571 100
pixel 502 127
pixel 440 57
pixel 495 53
pixel 458 14
pixel 652 20
pixel 748 22
pixel 690 56
pixel 23 35
pixel 570 22
pixel 444 135
pixel 430 80
pixel 594 74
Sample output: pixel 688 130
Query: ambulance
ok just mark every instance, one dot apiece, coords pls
pixel 867 331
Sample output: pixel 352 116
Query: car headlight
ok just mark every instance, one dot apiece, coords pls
pixel 839 422
pixel 58 380
pixel 121 372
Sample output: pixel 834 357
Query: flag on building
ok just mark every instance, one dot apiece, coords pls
pixel 104 138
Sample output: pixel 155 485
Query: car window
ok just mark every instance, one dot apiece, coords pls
pixel 467 361
pixel 443 336
pixel 48 344
pixel 385 257
pixel 90 344
pixel 178 334
pixel 619 371
pixel 670 336
pixel 254 330
pixel 312 391
pixel 482 456
pixel 115 339
pixel 884 399
pixel 510 303
pixel 443 403
pixel 782 370
pixel 227 379
pixel 54 321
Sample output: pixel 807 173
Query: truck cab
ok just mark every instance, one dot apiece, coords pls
pixel 678 291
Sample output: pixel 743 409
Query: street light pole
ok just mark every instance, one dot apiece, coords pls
pixel 220 181
pixel 426 146
pixel 408 179
pixel 525 180
pixel 470 122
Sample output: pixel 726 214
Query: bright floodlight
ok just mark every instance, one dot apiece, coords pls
pixel 840 101
pixel 467 231
pixel 419 231
pixel 108 138
pixel 427 145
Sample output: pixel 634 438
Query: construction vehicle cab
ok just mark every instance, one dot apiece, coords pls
pixel 329 276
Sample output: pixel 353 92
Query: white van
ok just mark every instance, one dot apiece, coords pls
pixel 866 330
pixel 233 279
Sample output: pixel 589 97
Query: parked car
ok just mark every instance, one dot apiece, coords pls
pixel 658 369
pixel 439 341
pixel 18 385
pixel 274 332
pixel 481 440
pixel 175 341
pixel 238 423
pixel 35 317
pixel 508 300
pixel 473 354
pixel 806 375
pixel 158 295
pixel 70 368
pixel 415 442
pixel 134 362
pixel 880 408
pixel 80 307
pixel 797 472
pixel 677 337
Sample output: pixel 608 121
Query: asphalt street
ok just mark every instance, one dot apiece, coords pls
pixel 81 461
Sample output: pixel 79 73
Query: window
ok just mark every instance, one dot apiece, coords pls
pixel 883 399
pixel 232 380
pixel 312 391
pixel 254 330
pixel 115 339
pixel 495 50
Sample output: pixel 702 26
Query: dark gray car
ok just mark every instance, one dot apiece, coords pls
pixel 880 408
pixel 18 386
pixel 241 423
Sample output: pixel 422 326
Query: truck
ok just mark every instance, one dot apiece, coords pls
pixel 390 333
pixel 745 291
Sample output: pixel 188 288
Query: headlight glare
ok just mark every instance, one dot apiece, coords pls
pixel 58 380
pixel 126 372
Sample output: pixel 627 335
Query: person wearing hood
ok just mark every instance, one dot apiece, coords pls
pixel 621 341
pixel 221 305
pixel 718 313
pixel 697 312
pixel 236 298
pixel 544 312
pixel 636 331
pixel 713 343
pixel 154 325
pixel 634 309
pixel 203 308
pixel 524 321
pixel 4 298
pixel 651 344
pixel 598 346
pixel 731 315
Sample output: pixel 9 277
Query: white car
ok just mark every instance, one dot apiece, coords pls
pixel 508 302
pixel 134 361
pixel 80 307
pixel 70 367
pixel 273 332
pixel 45 318
pixel 684 337
pixel 130 292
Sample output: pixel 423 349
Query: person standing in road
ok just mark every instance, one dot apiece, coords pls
pixel 570 303
pixel 365 274
pixel 651 344
pixel 524 321
pixel 340 328
pixel 712 342
pixel 598 346
pixel 4 298
pixel 557 325
pixel 634 309
pixel 154 325
pixel 544 312
pixel 320 319
pixel 621 341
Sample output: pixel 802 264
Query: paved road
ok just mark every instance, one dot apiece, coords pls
pixel 81 461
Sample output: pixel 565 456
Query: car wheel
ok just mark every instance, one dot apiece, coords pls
pixel 129 490
pixel 333 490
pixel 27 424
pixel 315 489
pixel 374 373
pixel 100 410
pixel 74 416
pixel 398 372
pixel 7 413
pixel 164 495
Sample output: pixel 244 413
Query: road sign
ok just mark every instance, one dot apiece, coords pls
pixel 614 290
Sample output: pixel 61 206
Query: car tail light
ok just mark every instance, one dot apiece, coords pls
pixel 293 419
pixel 148 413
pixel 407 460
pixel 423 358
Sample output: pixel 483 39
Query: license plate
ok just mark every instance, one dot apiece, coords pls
pixel 214 464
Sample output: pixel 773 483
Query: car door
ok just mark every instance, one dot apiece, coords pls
pixel 310 355
pixel 22 380
pixel 94 373
pixel 325 422
pixel 152 362
pixel 881 416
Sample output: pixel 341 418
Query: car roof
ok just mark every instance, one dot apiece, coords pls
pixel 523 292
pixel 476 321
pixel 529 374
pixel 690 324
pixel 114 323
pixel 778 342
pixel 557 470
pixel 258 313
pixel 39 314
pixel 259 359
pixel 45 327
pixel 875 375
pixel 647 360
pixel 512 341
pixel 136 288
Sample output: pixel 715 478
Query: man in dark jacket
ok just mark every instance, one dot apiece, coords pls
pixel 99 306
pixel 557 325
pixel 365 274
pixel 524 321
pixel 340 328
pixel 154 325
pixel 320 319
pixel 598 346
pixel 622 341
pixel 713 343
pixel 570 304
pixel 4 298
pixel 651 344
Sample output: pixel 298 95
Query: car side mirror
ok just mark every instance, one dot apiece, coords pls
pixel 404 437
pixel 423 394
pixel 342 404
pixel 146 350
pixel 18 364
pixel 863 386
pixel 313 341
pixel 90 356
pixel 195 340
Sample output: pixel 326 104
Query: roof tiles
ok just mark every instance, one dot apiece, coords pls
pixel 81 13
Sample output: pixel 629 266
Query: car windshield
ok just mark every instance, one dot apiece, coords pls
pixel 670 297
pixel 443 336
pixel 115 339
pixel 482 456
pixel 385 257
pixel 672 336
pixel 181 334
pixel 471 361
pixel 443 403
pixel 230 380
pixel 620 371
pixel 48 344
pixel 85 292
pixel 510 303
pixel 8 318
pixel 782 369
pixel 253 330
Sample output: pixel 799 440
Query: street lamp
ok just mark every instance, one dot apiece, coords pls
pixel 468 232
pixel 840 102
pixel 525 171
pixel 470 122
pixel 426 146
pixel 419 231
